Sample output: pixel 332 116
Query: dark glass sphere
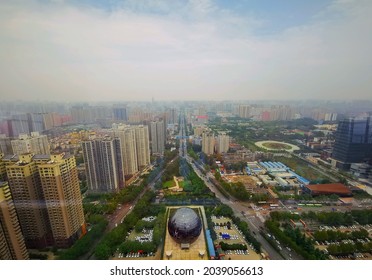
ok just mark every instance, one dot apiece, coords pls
pixel 184 225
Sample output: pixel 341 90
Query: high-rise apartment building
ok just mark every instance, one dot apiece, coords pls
pixel 82 114
pixel 36 144
pixel 138 115
pixel 104 164
pixel 353 142
pixel 47 198
pixel 127 136
pixel 5 145
pixel 157 130
pixel 12 244
pixel 208 143
pixel 2 168
pixel 142 145
pixel 120 113
pixel 330 117
pixel 25 123
pixel 244 111
pixel 25 185
pixel 60 184
pixel 40 121
pixel 198 130
pixel 18 124
pixel 171 116
pixel 223 142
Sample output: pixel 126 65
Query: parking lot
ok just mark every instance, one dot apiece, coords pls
pixel 228 232
pixel 346 229
pixel 144 236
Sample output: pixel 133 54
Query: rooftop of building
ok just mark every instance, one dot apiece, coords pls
pixel 330 188
pixel 41 157
pixel 11 158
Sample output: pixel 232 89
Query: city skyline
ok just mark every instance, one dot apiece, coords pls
pixel 68 188
pixel 217 50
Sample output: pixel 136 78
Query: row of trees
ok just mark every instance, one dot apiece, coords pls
pixel 295 239
pixel 236 246
pixel 363 217
pixel 243 226
pixel 195 186
pixel 330 218
pixel 107 203
pixel 336 235
pixel 192 153
pixel 84 244
pixel 284 216
pixel 348 248
pixel 110 242
pixel 219 187
pixel 171 170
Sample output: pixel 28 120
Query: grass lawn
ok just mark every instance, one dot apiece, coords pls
pixel 277 146
pixel 169 184
pixel 302 168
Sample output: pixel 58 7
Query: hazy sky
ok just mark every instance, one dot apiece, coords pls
pixel 197 49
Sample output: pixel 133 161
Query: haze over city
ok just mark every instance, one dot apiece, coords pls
pixel 186 130
pixel 185 50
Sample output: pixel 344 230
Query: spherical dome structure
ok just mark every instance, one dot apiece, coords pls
pixel 184 225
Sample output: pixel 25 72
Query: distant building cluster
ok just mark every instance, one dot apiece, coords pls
pixel 283 113
pixel 26 123
pixel 25 143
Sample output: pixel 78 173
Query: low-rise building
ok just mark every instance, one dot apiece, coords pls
pixel 328 189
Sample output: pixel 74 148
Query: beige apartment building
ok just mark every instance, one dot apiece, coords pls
pixel 63 200
pixel 142 145
pixel 36 144
pixel 127 137
pixel 24 182
pixel 208 143
pixel 12 244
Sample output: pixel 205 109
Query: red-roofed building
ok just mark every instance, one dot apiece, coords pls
pixel 328 189
pixel 202 119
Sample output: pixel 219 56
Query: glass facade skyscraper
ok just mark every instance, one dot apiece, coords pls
pixel 353 141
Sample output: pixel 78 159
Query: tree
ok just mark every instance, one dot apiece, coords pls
pixel 102 251
pixel 223 210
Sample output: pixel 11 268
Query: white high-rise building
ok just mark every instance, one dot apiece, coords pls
pixel 142 145
pixel 223 142
pixel 135 146
pixel 208 143
pixel 244 111
pixel 127 136
pixel 36 144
